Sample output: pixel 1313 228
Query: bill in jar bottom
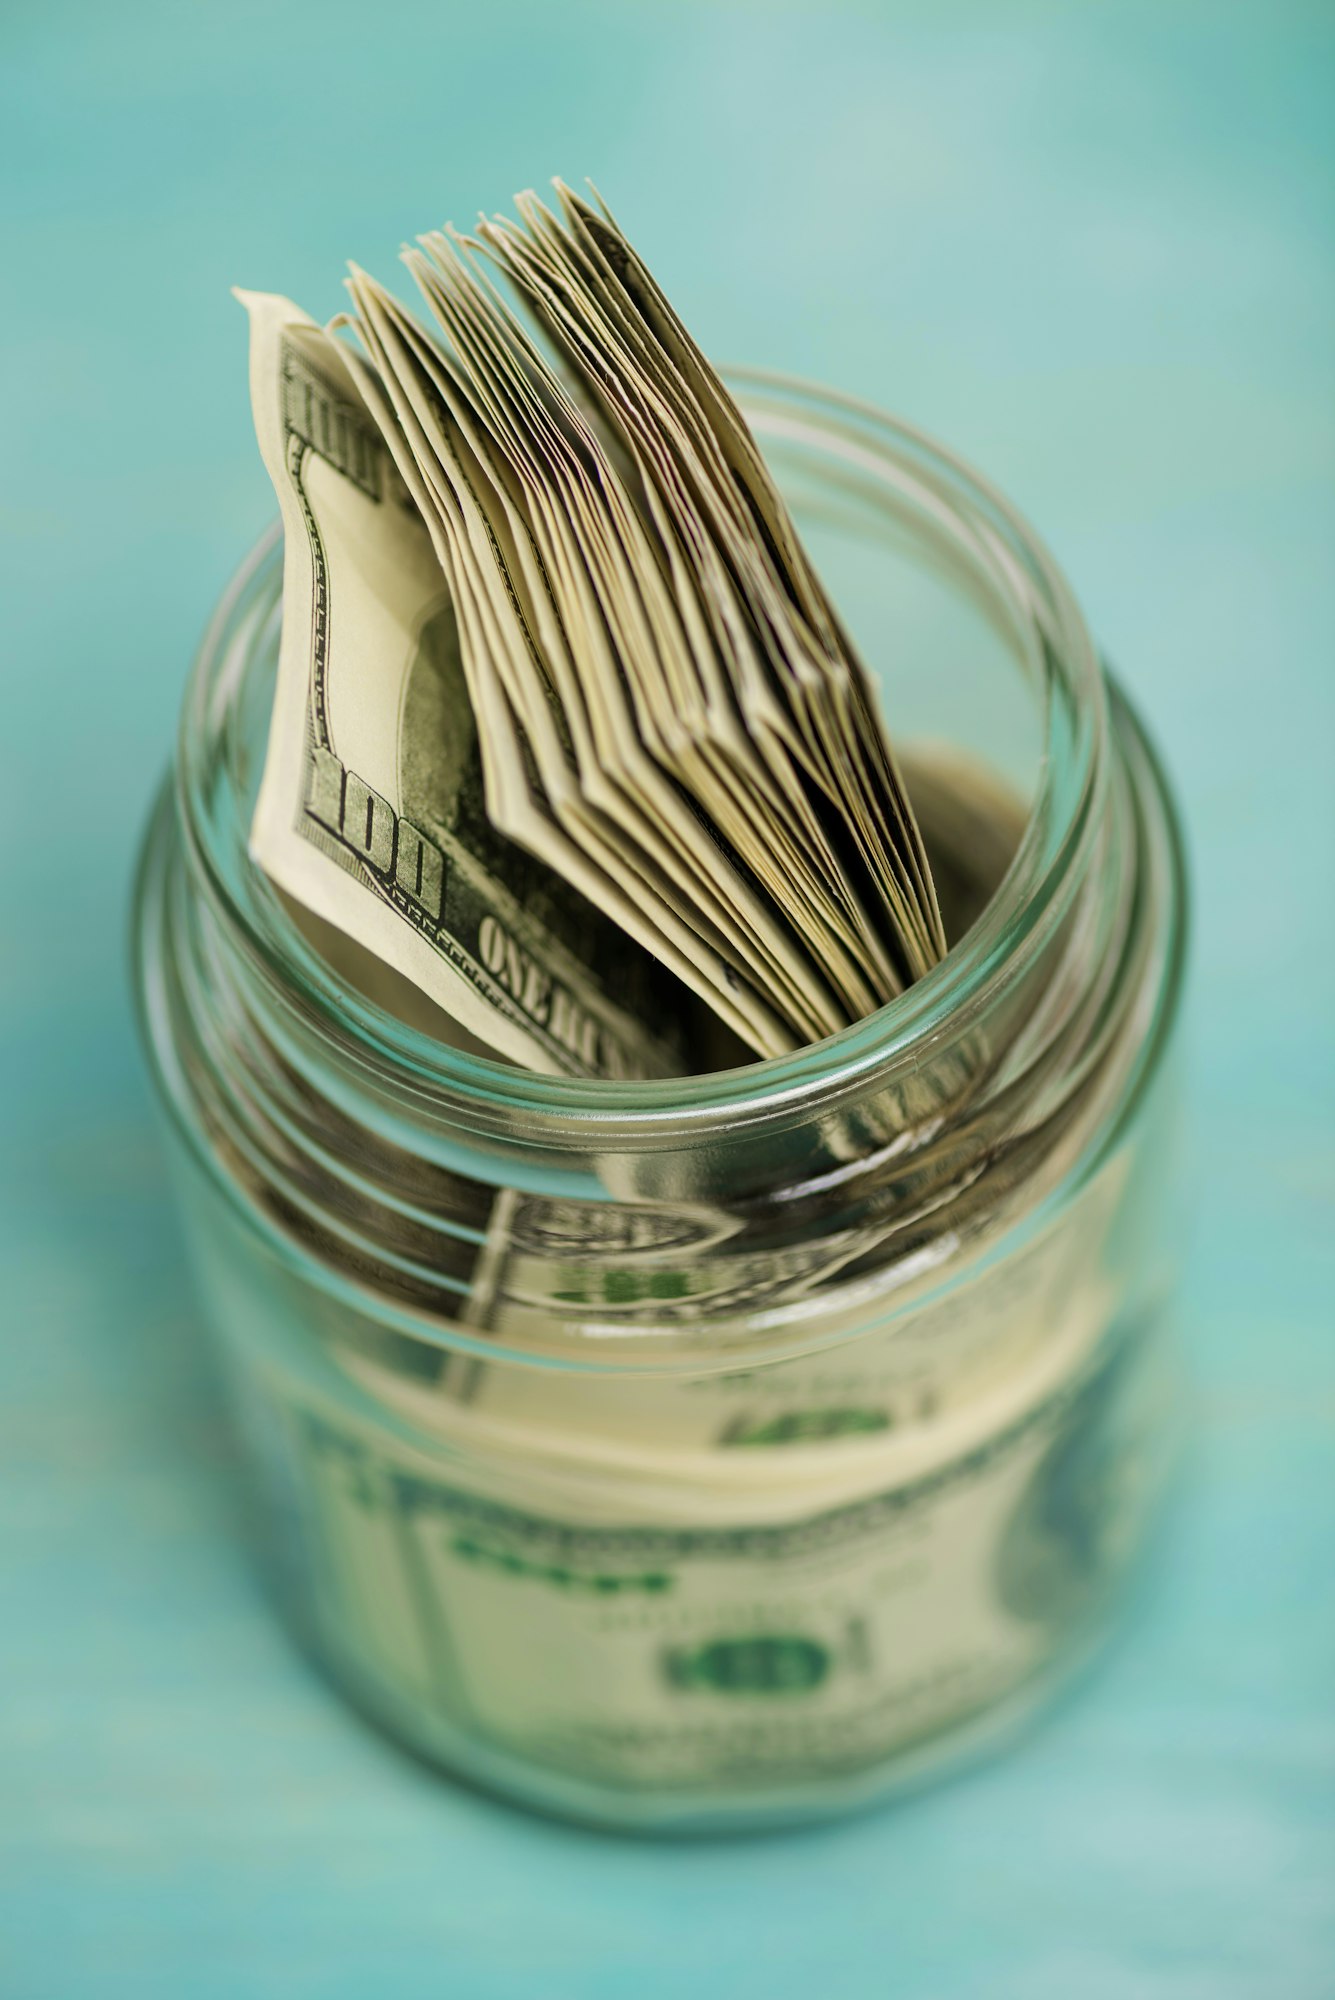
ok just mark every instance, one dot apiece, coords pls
pixel 945 1753
pixel 786 1800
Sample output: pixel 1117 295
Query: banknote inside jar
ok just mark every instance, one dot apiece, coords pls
pixel 972 818
pixel 568 728
pixel 712 1580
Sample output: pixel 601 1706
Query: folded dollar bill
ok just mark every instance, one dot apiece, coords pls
pixel 566 729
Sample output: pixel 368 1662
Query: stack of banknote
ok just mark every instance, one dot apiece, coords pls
pixel 567 731
pixel 572 761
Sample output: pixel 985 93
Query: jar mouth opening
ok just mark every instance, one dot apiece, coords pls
pixel 1029 593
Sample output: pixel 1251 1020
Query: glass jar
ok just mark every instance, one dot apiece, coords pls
pixel 723 1449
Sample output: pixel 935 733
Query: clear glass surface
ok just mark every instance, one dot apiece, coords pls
pixel 707 1451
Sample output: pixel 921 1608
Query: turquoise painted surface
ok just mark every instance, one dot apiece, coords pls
pixel 1092 246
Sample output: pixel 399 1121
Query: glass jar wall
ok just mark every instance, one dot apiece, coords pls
pixel 718 1449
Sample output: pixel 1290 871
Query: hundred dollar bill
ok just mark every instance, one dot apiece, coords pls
pixel 693 1635
pixel 704 758
pixel 371 812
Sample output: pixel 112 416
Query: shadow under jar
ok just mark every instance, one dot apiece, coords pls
pixel 721 1450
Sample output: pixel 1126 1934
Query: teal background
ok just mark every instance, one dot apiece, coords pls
pixel 1091 246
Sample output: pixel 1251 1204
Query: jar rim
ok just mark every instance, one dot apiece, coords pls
pixel 1062 820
